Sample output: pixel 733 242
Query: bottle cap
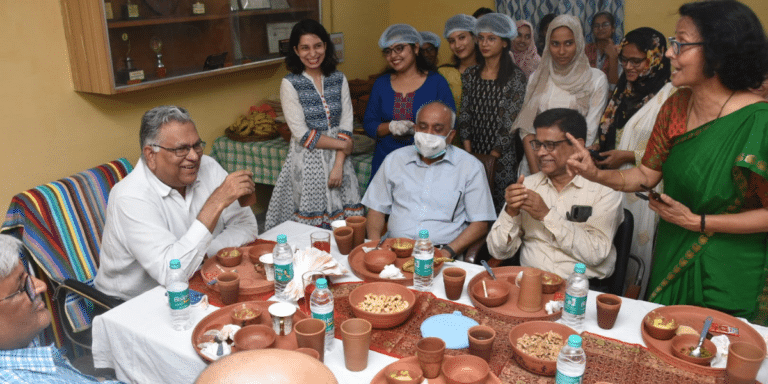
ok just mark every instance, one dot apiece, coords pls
pixel 580 268
pixel 424 234
pixel 175 264
pixel 282 239
pixel 574 341
pixel 321 283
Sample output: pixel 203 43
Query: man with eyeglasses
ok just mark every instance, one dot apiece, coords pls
pixel 23 316
pixel 557 219
pixel 176 204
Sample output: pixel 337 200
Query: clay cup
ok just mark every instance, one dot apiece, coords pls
pixel 608 307
pixel 343 236
pixel 310 333
pixel 430 351
pixel 453 278
pixel 744 360
pixel 356 338
pixel 481 340
pixel 229 287
pixel 358 226
pixel 530 291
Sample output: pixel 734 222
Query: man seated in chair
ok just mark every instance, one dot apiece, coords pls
pixel 176 204
pixel 23 316
pixel 558 219
pixel 431 185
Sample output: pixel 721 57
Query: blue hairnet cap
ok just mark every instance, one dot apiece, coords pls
pixel 429 37
pixel 499 24
pixel 459 22
pixel 398 34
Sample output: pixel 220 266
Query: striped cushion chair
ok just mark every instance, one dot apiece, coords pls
pixel 61 223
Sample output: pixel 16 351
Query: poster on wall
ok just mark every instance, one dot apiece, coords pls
pixel 338 43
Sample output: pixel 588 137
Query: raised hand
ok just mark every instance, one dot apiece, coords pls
pixel 580 163
pixel 515 194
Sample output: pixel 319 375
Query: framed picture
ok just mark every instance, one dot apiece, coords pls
pixel 338 42
pixel 279 4
pixel 254 4
pixel 277 32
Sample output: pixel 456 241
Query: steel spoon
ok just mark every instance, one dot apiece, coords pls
pixel 707 323
pixel 381 241
pixel 488 268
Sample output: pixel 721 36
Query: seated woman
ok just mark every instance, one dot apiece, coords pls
pixel 524 49
pixel 603 54
pixel 564 80
pixel 492 95
pixel 430 45
pixel 460 33
pixel 317 183
pixel 409 83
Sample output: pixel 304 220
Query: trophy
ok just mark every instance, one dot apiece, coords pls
pixel 198 8
pixel 157 45
pixel 129 74
pixel 130 10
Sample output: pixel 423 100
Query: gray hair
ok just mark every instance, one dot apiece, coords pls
pixel 10 249
pixel 453 113
pixel 155 118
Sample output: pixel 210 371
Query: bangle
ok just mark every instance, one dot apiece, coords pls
pixel 623 181
pixel 703 222
pixel 450 250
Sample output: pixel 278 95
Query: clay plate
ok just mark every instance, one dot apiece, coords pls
pixel 222 317
pixel 509 308
pixel 357 264
pixel 251 282
pixel 528 362
pixel 694 317
pixel 440 379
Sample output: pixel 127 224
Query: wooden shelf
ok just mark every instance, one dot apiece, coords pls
pixel 188 19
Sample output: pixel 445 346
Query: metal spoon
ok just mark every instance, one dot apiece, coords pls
pixel 488 268
pixel 386 235
pixel 220 350
pixel 707 323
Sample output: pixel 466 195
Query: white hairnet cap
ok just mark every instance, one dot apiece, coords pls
pixel 399 33
pixel 459 22
pixel 429 37
pixel 499 24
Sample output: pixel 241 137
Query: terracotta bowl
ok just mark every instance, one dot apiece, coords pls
pixel 256 251
pixel 310 352
pixel 246 314
pixel 402 247
pixel 660 333
pixel 682 343
pixel 225 258
pixel 465 369
pixel 376 260
pixel 382 320
pixel 551 283
pixel 413 369
pixel 531 363
pixel 254 337
pixel 498 292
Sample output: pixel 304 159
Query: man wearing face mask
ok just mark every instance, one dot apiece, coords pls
pixel 431 185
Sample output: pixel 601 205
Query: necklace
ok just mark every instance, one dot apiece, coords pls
pixel 690 107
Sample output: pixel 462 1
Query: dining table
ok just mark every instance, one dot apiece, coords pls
pixel 137 341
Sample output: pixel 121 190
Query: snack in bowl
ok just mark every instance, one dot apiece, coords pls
pixel 382 320
pixel 544 346
pixel 535 362
pixel 402 248
pixel 659 327
pixel 383 303
pixel 246 314
pixel 403 373
pixel 550 282
pixel 683 345
pixel 229 257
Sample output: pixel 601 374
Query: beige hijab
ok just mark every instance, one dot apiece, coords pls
pixel 574 78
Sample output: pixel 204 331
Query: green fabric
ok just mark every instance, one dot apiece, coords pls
pixel 707 171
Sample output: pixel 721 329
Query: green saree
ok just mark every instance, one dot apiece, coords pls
pixel 707 170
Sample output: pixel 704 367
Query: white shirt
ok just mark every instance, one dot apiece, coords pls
pixel 294 112
pixel 149 223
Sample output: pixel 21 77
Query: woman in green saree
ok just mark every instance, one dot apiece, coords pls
pixel 710 146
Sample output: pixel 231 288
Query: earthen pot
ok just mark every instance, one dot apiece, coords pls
pixel 257 336
pixel 229 287
pixel 225 257
pixel 358 225
pixel 377 259
pixel 608 307
pixel 430 352
pixel 344 240
pixel 246 314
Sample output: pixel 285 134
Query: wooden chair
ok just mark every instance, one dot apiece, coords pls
pixel 489 163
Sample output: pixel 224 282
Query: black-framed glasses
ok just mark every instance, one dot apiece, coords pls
pixel 29 288
pixel 183 151
pixel 676 45
pixel 398 49
pixel 548 145
pixel 631 61
pixel 605 24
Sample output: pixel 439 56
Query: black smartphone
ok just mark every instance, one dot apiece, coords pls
pixel 579 213
pixel 596 155
pixel 653 194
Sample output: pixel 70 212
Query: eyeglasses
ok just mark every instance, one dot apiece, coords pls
pixel 631 61
pixel 183 151
pixel 548 145
pixel 29 288
pixel 676 45
pixel 605 24
pixel 398 49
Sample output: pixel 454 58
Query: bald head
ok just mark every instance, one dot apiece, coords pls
pixel 267 366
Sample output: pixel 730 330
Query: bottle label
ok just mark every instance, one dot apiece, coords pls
pixel 423 267
pixel 575 305
pixel 178 300
pixel 561 378
pixel 326 317
pixel 284 272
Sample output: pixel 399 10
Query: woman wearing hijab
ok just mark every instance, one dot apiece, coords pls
pixel 564 80
pixel 524 49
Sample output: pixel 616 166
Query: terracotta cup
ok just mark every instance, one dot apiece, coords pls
pixel 608 306
pixel 229 287
pixel 744 360
pixel 310 352
pixel 453 278
pixel 310 333
pixel 358 225
pixel 530 296
pixel 247 200
pixel 344 240
pixel 481 340
pixel 356 338
pixel 430 351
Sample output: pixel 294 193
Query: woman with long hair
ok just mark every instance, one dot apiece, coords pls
pixel 317 183
pixel 603 54
pixel 460 33
pixel 524 48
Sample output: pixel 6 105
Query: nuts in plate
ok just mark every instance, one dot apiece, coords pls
pixel 374 303
pixel 232 253
pixel 544 346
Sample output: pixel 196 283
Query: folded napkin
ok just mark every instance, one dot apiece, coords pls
pixel 391 272
pixel 311 260
pixel 721 342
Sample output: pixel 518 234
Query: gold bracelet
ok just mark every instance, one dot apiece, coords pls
pixel 623 181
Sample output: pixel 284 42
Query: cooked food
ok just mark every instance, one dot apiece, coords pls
pixel 544 346
pixel 402 375
pixel 686 330
pixel 661 322
pixel 551 279
pixel 409 265
pixel 399 244
pixel 383 303
pixel 705 353
pixel 232 253
pixel 244 313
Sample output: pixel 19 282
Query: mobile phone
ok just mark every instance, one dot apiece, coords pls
pixel 653 194
pixel 596 155
pixel 579 213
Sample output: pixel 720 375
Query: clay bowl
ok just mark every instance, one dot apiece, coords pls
pixel 465 369
pixel 376 259
pixel 683 344
pixel 531 363
pixel 246 314
pixel 254 337
pixel 256 251
pixel 402 247
pixel 413 370
pixel 551 283
pixel 660 333
pixel 498 292
pixel 225 257
pixel 310 352
pixel 382 320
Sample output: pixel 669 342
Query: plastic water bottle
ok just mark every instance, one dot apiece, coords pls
pixel 571 362
pixel 423 257
pixel 321 305
pixel 576 298
pixel 283 258
pixel 178 296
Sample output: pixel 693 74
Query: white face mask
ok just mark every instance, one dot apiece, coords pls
pixel 429 145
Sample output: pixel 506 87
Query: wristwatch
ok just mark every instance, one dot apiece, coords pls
pixel 450 250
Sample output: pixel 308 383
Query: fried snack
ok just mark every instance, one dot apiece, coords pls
pixel 374 303
pixel 232 253
pixel 402 375
pixel 410 264
pixel 244 313
pixel 542 346
pixel 257 124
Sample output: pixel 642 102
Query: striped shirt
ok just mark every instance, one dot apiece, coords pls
pixel 40 365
